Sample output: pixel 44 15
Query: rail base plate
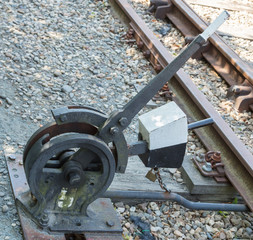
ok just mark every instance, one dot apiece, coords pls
pixel 198 184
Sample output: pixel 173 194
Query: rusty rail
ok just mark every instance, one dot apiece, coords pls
pixel 236 157
pixel 224 60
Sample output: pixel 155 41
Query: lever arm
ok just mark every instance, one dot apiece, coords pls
pixel 119 120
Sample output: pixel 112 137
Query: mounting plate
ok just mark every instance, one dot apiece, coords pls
pixel 102 222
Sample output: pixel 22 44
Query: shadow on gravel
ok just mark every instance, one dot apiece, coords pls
pixel 143 227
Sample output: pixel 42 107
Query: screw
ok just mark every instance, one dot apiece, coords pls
pixel 123 121
pixel 110 223
pixel 207 167
pixel 114 130
pixel 63 118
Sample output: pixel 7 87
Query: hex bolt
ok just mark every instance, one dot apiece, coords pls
pixel 63 118
pixel 207 167
pixel 216 157
pixel 140 44
pixel 158 67
pixel 74 178
pixel 44 220
pixel 200 158
pixel 147 54
pixel 114 130
pixel 110 223
pixel 123 121
pixel 130 33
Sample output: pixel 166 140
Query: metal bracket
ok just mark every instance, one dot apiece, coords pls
pixel 205 47
pixel 243 95
pixel 210 165
pixel 160 7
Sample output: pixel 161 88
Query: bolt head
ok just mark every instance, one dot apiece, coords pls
pixel 123 121
pixel 63 118
pixel 44 220
pixel 207 167
pixel 147 54
pixel 110 223
pixel 236 89
pixel 114 130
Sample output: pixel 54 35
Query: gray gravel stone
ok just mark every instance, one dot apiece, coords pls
pixel 235 220
pixel 57 73
pixel 188 227
pixel 249 230
pixel 5 208
pixel 66 88
pixel 9 101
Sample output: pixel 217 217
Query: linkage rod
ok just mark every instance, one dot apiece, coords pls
pixel 201 123
pixel 166 196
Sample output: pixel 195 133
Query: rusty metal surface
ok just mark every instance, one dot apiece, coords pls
pixel 243 95
pixel 216 171
pixel 52 129
pixel 19 186
pixel 236 157
pixel 32 232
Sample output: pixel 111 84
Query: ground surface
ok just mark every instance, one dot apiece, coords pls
pixel 55 53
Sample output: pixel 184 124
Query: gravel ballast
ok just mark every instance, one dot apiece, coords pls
pixel 58 53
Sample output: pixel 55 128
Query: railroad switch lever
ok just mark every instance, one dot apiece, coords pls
pixel 143 97
pixel 70 163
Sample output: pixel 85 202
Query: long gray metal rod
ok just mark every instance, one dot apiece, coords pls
pixel 201 123
pixel 165 196
pixel 142 98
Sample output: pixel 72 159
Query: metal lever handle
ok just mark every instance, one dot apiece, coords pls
pixel 114 122
pixel 215 25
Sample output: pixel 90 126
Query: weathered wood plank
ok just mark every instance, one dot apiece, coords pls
pixel 134 180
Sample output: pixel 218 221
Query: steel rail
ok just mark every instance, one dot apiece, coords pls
pixel 224 60
pixel 220 56
pixel 219 136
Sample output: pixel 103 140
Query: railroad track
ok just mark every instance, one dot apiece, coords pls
pixel 237 74
pixel 185 94
pixel 236 157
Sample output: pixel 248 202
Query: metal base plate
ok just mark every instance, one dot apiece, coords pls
pixel 102 222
